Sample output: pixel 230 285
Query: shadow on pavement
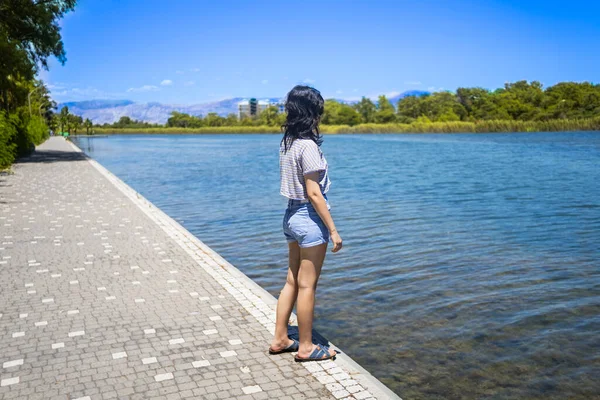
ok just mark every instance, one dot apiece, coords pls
pixel 49 156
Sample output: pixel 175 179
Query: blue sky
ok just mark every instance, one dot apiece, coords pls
pixel 185 51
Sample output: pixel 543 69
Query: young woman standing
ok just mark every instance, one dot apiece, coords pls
pixel 307 224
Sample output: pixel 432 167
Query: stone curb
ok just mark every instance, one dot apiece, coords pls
pixel 344 377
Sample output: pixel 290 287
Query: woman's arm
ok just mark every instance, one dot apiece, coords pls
pixel 313 190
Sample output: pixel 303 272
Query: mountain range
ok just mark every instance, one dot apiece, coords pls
pixel 109 111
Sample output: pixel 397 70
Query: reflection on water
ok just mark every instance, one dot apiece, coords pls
pixel 471 261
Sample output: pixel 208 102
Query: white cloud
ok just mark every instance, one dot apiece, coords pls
pixel 308 81
pixel 189 83
pixel 265 81
pixel 339 91
pixel 390 94
pixel 145 88
pixel 166 82
pixel 56 86
pixel 413 83
pixel 195 69
pixel 87 93
pixel 434 89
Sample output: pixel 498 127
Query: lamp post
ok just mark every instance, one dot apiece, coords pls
pixel 29 98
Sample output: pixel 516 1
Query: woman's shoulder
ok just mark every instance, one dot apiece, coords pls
pixel 308 144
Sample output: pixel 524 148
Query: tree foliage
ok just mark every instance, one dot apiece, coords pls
pixel 29 35
pixel 518 101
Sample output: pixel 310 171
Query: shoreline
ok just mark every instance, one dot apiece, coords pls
pixel 579 125
pixel 258 301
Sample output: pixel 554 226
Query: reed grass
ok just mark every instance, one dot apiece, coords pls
pixel 557 125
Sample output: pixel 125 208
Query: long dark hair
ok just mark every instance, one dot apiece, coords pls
pixel 304 106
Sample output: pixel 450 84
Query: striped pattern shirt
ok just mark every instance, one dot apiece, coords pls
pixel 302 157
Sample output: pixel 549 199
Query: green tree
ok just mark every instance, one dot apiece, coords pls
pixel 63 119
pixel 268 116
pixel 29 35
pixel 231 120
pixel 521 100
pixel 367 109
pixel 74 123
pixel 337 113
pixel 386 113
pixel 348 116
pixel 88 126
pixel 443 106
pixel 213 119
pixel 410 108
pixel 124 122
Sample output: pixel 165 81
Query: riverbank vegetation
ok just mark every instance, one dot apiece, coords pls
pixel 517 107
pixel 591 124
pixel 29 35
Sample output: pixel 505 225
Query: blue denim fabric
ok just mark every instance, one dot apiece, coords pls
pixel 302 224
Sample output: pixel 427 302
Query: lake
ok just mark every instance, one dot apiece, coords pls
pixel 471 262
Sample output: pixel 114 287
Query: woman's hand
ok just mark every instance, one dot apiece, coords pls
pixel 337 241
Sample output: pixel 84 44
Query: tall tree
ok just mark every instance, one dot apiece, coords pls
pixel 29 35
pixel 386 113
pixel 88 125
pixel 367 109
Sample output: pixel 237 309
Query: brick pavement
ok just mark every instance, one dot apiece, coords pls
pixel 103 296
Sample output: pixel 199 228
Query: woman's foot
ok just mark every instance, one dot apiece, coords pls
pixel 279 346
pixel 315 353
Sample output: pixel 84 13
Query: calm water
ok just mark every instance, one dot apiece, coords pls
pixel 471 266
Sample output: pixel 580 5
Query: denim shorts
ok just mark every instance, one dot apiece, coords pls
pixel 302 224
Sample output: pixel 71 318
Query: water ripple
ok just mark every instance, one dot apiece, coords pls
pixel 470 268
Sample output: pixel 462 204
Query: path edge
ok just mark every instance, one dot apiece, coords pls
pixel 373 385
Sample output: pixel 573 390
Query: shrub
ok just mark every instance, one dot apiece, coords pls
pixel 8 147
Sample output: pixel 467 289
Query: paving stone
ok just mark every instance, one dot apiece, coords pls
pixel 86 271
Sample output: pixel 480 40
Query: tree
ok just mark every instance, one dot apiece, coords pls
pixel 385 111
pixel 410 108
pixel 33 27
pixel 367 109
pixel 179 120
pixel 521 100
pixel 124 122
pixel 63 119
pixel 29 35
pixel 88 125
pixel 231 120
pixel 213 119
pixel 268 116
pixel 348 116
pixel 74 123
pixel 443 106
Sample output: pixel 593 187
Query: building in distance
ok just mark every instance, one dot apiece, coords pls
pixel 252 107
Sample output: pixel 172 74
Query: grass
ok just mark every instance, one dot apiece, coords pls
pixel 558 125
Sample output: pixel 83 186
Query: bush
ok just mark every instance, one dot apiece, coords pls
pixel 19 134
pixel 22 139
pixel 37 130
pixel 8 147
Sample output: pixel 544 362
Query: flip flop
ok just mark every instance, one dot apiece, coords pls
pixel 320 353
pixel 292 347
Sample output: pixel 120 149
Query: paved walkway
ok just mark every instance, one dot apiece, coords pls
pixel 103 296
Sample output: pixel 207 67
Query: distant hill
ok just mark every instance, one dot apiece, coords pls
pixel 109 111
pixel 96 104
pixel 402 95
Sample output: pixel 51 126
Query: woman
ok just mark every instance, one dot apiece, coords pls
pixel 307 224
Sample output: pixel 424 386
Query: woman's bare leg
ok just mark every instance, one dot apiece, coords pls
pixel 311 261
pixel 287 298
